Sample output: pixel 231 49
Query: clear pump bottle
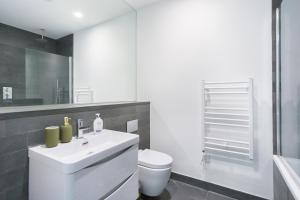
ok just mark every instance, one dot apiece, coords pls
pixel 98 124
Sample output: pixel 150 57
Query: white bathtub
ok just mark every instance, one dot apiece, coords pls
pixel 290 171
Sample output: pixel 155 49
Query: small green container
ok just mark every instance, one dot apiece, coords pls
pixel 51 136
pixel 66 131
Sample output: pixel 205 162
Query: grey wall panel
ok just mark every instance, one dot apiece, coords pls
pixel 64 46
pixel 24 39
pixel 17 134
pixel 14 46
pixel 12 70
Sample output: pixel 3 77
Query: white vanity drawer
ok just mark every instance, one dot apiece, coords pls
pixel 129 190
pixel 100 179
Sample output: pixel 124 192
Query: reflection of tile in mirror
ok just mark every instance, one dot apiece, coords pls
pixel 7 93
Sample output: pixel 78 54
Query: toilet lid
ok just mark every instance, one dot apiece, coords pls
pixel 154 159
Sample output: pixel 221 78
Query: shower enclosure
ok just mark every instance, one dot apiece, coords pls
pixel 288 83
pixel 48 77
pixel 34 77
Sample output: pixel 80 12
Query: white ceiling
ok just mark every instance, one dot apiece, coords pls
pixel 56 16
pixel 137 4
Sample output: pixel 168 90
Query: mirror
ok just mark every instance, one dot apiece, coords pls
pixel 71 51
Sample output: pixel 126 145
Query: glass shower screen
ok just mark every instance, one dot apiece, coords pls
pixel 48 77
pixel 289 78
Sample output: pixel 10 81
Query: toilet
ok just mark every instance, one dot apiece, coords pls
pixel 154 171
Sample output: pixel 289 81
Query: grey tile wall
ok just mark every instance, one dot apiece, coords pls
pixel 19 38
pixel 24 39
pixel 13 42
pixel 64 46
pixel 12 70
pixel 16 135
pixel 281 190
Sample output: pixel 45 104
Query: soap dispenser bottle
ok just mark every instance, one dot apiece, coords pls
pixel 98 124
pixel 66 131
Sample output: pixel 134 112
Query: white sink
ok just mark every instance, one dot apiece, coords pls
pixel 73 156
pixel 104 168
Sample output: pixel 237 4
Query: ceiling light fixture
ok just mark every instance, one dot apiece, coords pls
pixel 78 14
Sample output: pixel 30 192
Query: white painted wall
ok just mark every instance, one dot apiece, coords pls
pixel 180 43
pixel 105 59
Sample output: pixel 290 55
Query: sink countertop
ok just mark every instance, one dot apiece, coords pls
pixel 73 156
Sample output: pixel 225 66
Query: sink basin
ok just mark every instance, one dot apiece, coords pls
pixel 101 166
pixel 74 156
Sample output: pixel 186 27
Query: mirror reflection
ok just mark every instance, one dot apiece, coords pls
pixel 71 51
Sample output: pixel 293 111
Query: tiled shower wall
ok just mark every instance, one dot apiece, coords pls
pixel 16 135
pixel 13 45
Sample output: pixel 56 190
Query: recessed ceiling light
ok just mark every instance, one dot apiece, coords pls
pixel 78 14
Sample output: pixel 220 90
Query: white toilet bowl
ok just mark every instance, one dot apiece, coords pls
pixel 154 171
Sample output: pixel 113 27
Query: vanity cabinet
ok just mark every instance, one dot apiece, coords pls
pixel 101 179
pixel 113 177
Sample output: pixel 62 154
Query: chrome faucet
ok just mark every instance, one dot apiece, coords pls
pixel 81 129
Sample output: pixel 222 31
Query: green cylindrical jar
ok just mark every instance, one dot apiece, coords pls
pixel 51 136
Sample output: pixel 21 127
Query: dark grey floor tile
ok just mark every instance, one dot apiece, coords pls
pixel 164 196
pixel 177 190
pixel 184 191
pixel 216 196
